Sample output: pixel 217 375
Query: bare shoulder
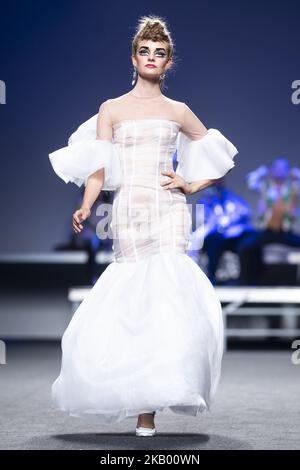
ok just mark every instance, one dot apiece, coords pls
pixel 176 108
pixel 177 104
pixel 112 106
pixel 115 101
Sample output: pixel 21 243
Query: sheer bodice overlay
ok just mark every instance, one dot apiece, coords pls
pixel 147 218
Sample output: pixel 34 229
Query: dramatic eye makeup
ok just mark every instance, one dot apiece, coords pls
pixel 159 51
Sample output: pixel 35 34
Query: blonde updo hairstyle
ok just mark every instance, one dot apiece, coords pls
pixel 153 28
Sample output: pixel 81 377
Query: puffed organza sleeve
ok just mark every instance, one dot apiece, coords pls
pixel 85 154
pixel 202 153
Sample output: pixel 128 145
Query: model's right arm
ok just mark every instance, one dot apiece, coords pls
pixel 96 180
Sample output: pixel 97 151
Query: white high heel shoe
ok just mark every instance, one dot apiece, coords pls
pixel 143 431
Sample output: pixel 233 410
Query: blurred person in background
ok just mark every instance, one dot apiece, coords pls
pixel 226 222
pixel 278 189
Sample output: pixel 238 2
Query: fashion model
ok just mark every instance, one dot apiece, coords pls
pixel 149 335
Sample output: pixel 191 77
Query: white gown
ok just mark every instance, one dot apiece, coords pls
pixel 149 335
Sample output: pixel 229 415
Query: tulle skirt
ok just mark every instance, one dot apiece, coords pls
pixel 148 336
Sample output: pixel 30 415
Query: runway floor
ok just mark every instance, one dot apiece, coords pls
pixel 257 407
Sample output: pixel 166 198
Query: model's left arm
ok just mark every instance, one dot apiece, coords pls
pixel 203 155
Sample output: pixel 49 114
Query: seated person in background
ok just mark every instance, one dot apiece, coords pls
pixel 225 223
pixel 278 189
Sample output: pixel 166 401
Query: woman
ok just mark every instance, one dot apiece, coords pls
pixel 149 335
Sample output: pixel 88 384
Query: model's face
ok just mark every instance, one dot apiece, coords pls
pixel 151 53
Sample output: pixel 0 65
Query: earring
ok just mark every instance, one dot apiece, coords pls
pixel 161 80
pixel 133 77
